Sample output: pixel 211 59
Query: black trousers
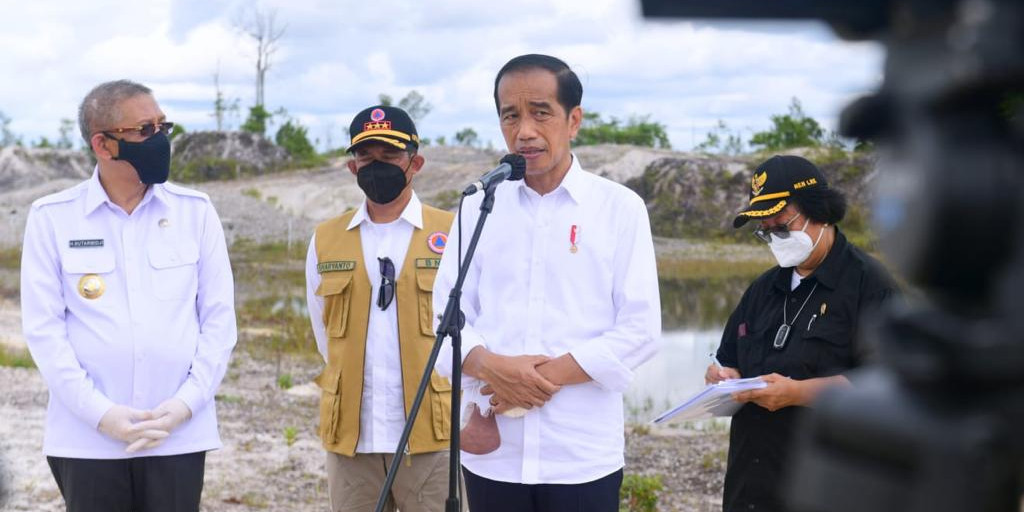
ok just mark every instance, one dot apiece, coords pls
pixel 601 495
pixel 172 483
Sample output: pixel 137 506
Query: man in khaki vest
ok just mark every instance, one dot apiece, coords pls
pixel 369 278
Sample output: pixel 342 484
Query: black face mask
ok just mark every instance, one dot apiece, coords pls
pixel 382 182
pixel 151 158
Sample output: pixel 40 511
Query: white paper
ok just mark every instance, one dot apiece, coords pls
pixel 712 401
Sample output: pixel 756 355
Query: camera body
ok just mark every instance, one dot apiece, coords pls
pixel 938 424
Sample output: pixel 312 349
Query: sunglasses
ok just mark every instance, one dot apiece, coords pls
pixel 387 283
pixel 764 234
pixel 144 130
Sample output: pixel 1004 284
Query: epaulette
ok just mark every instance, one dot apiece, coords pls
pixel 179 190
pixel 68 194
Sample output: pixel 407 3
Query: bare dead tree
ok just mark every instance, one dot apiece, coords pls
pixel 262 27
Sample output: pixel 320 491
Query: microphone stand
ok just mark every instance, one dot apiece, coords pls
pixel 451 326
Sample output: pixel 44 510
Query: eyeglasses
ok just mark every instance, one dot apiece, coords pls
pixel 144 130
pixel 764 234
pixel 387 283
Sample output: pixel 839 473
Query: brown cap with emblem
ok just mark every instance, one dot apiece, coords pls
pixel 381 123
pixel 773 184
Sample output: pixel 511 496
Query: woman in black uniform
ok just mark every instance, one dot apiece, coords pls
pixel 796 325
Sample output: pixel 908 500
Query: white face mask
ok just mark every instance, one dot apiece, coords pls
pixel 795 248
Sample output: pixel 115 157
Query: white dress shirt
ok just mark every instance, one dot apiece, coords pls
pixel 529 292
pixel 163 327
pixel 382 413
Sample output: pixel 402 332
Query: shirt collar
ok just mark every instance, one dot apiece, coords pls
pixel 574 182
pixel 96 195
pixel 413 214
pixel 828 272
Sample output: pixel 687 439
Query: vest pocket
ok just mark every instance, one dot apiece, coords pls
pixel 441 407
pixel 337 294
pixel 425 297
pixel 329 382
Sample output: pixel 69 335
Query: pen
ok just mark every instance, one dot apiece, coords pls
pixel 714 360
pixel 811 321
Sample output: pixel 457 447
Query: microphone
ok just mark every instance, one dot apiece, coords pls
pixel 511 168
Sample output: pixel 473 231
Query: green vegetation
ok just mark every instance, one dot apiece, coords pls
pixel 228 399
pixel 284 381
pixel 467 137
pixel 257 120
pixel 10 258
pixel 211 168
pixel 638 131
pixel 292 136
pixel 714 459
pixel 15 358
pixel 291 434
pixel 792 130
pixel 639 493
pixel 252 192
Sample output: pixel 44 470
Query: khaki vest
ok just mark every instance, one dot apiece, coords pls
pixel 347 293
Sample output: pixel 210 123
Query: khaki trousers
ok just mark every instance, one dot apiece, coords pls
pixel 421 485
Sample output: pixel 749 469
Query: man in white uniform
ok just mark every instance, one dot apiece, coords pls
pixel 128 309
pixel 561 304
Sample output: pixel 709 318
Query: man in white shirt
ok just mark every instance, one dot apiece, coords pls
pixel 369 275
pixel 561 304
pixel 128 309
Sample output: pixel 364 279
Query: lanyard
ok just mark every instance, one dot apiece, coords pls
pixel 783 333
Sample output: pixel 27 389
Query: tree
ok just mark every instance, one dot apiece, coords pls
pixel 221 107
pixel 638 131
pixel 7 137
pixel 66 140
pixel 293 137
pixel 415 105
pixel 385 100
pixel 790 130
pixel 257 121
pixel 177 131
pixel 467 137
pixel 721 140
pixel 261 26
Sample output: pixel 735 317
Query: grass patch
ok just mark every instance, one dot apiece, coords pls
pixel 670 268
pixel 639 493
pixel 10 258
pixel 15 358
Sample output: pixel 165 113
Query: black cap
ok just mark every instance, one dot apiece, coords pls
pixel 384 124
pixel 773 184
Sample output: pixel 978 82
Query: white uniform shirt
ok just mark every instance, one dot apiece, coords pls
pixel 163 327
pixel 382 413
pixel 529 292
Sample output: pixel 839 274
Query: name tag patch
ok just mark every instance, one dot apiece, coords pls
pixel 80 244
pixel 335 266
pixel 428 262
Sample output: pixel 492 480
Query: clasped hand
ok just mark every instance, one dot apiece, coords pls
pixel 141 429
pixel 514 382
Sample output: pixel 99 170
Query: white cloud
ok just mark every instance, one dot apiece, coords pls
pixel 336 57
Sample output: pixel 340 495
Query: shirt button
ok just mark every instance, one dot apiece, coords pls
pixel 750 507
pixel 757 461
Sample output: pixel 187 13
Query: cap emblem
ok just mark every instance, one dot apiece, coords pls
pixel 377 114
pixel 757 182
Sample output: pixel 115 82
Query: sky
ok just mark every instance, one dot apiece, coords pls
pixel 337 56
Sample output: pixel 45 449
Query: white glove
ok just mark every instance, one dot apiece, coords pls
pixel 166 417
pixel 119 422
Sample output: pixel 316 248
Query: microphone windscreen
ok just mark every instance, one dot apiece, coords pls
pixel 518 164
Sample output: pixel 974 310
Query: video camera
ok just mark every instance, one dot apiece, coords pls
pixel 938 425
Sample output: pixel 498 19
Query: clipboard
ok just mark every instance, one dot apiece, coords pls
pixel 715 400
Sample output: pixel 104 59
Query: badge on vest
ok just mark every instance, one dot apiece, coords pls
pixel 335 266
pixel 428 262
pixel 81 244
pixel 437 241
